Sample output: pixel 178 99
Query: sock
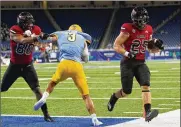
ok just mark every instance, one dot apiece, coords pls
pixel 44 109
pixel 147 107
pixel 114 98
pixel 45 95
pixel 93 115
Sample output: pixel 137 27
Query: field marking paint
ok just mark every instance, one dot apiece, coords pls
pixel 160 74
pixel 175 68
pixel 171 88
pixel 65 116
pixel 42 79
pixel 160 81
pixel 160 108
pixel 168 119
pixel 169 104
pixel 56 98
pixel 133 112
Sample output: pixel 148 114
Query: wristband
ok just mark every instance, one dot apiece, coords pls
pixel 126 53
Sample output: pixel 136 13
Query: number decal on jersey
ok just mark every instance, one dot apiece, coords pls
pixel 139 46
pixel 24 49
pixel 71 37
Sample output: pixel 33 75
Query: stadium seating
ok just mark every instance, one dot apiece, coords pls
pixel 10 16
pixel 157 15
pixel 170 32
pixel 95 21
pixel 92 21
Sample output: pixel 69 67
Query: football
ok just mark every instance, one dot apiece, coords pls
pixel 151 44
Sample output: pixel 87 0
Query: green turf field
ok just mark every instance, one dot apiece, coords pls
pixel 103 79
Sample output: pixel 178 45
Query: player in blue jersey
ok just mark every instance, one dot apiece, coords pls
pixel 73 49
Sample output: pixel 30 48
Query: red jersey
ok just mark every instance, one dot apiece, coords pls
pixel 138 39
pixel 22 53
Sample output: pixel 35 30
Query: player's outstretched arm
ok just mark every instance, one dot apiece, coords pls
pixel 47 38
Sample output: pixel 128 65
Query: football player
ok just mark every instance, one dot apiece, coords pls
pixel 132 43
pixel 72 45
pixel 22 36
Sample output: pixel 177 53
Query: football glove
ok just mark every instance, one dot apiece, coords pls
pixel 132 55
pixel 44 36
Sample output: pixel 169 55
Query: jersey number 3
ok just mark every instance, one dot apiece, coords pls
pixel 71 37
pixel 24 49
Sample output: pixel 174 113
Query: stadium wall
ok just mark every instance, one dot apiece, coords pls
pixel 109 55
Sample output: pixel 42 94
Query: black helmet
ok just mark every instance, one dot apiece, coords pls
pixel 25 20
pixel 139 16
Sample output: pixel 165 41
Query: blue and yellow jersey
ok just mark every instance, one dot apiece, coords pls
pixel 71 44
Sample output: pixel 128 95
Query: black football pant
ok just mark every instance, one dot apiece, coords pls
pixel 27 71
pixel 134 68
pixel 14 71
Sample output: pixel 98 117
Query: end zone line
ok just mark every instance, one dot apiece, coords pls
pixel 65 116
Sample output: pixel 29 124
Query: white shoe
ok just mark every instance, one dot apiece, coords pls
pixel 96 122
pixel 39 104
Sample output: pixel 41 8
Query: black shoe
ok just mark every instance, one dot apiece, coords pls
pixel 150 115
pixel 112 102
pixel 48 118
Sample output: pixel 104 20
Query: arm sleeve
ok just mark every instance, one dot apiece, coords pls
pixel 85 54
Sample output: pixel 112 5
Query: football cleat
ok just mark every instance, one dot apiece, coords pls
pixel 39 104
pixel 47 118
pixel 150 115
pixel 111 103
pixel 96 122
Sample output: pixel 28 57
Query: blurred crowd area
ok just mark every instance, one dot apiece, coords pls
pixel 4 32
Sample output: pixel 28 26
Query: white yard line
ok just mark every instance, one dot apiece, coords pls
pixel 118 82
pixel 160 108
pixel 169 104
pixel 133 112
pixel 175 68
pixel 56 98
pixel 169 88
